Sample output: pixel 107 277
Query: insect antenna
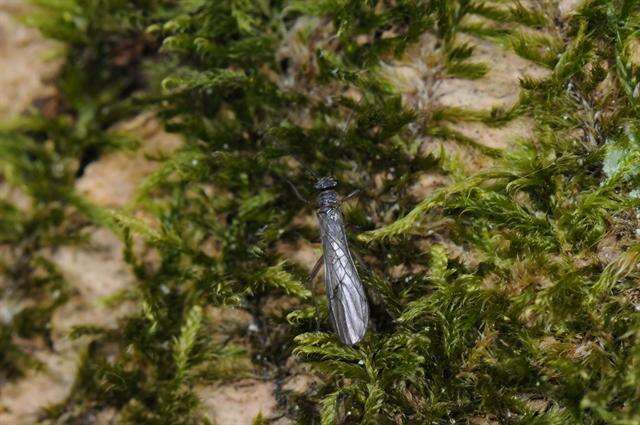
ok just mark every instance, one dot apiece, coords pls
pixel 295 190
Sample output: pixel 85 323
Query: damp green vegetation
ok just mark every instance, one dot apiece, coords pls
pixel 506 295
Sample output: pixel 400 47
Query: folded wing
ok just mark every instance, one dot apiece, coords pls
pixel 348 307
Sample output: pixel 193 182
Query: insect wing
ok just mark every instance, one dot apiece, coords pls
pixel 348 308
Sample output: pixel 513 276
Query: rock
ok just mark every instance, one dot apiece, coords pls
pixel 113 179
pixel 567 7
pixel 26 62
pixel 239 403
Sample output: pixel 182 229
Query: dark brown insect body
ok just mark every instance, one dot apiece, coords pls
pixel 348 307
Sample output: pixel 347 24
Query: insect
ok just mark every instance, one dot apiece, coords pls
pixel 348 307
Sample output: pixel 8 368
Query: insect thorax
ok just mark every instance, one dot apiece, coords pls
pixel 327 198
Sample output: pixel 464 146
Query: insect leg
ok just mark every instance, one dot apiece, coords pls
pixel 351 195
pixel 312 276
pixel 315 271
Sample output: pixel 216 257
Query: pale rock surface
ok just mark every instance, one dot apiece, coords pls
pixel 26 63
pixel 94 271
pixel 239 403
pixel 415 76
pixel 566 7
pixel 113 179
pixel 23 74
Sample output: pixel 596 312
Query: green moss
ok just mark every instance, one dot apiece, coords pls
pixel 534 324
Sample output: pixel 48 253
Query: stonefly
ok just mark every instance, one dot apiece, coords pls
pixel 348 307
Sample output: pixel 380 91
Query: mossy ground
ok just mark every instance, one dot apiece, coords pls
pixel 499 230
